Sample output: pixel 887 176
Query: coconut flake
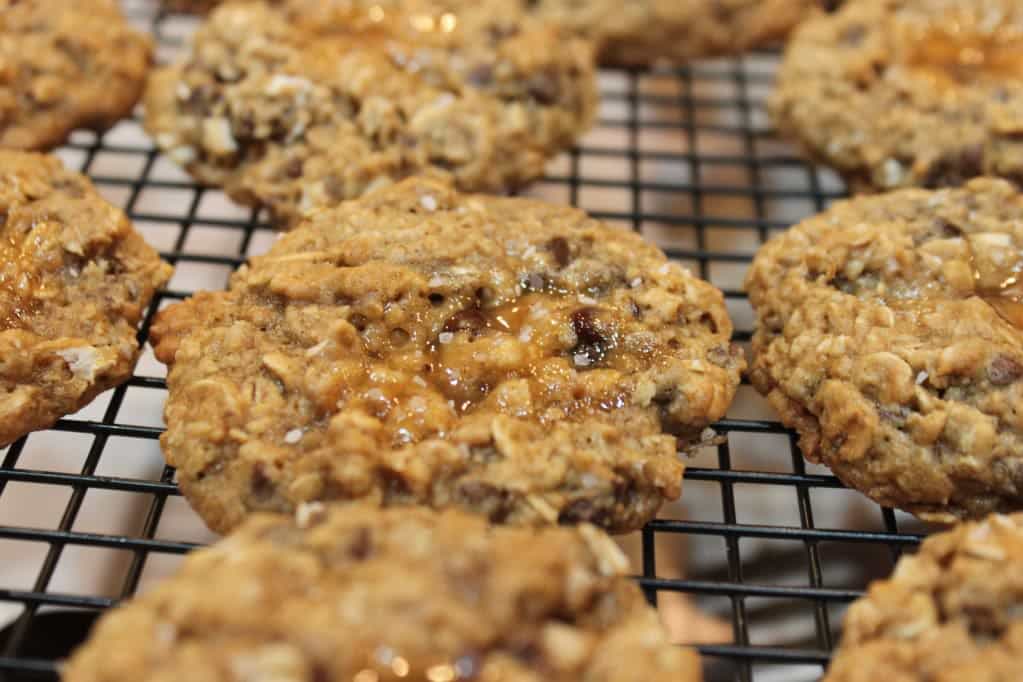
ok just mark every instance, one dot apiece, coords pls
pixel 921 378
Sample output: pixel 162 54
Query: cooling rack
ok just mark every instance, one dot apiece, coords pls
pixel 774 547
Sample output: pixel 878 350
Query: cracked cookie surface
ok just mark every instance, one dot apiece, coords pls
pixel 954 611
pixel 66 65
pixel 306 103
pixel 889 335
pixel 904 93
pixel 75 279
pixel 348 593
pixel 503 355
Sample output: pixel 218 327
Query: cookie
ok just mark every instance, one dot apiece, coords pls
pixel 354 593
pixel 954 611
pixel 503 355
pixel 66 65
pixel 75 279
pixel 304 104
pixel 644 32
pixel 889 336
pixel 908 93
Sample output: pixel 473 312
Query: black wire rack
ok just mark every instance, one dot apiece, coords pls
pixel 774 546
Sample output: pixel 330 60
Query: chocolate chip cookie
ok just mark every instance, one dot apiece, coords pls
pixel 75 279
pixel 901 93
pixel 66 65
pixel 890 336
pixel 305 103
pixel 354 593
pixel 507 356
pixel 954 611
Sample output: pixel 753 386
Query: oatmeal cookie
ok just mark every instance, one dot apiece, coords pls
pixel 954 611
pixel 642 32
pixel 344 593
pixel 311 102
pixel 75 279
pixel 889 335
pixel 903 93
pixel 66 65
pixel 504 355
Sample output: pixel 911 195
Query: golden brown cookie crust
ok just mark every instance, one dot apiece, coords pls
pixel 507 356
pixel 903 93
pixel 356 593
pixel 311 102
pixel 954 611
pixel 889 335
pixel 75 279
pixel 644 32
pixel 66 65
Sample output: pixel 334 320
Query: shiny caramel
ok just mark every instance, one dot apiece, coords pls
pixel 957 51
pixel 19 280
pixel 999 283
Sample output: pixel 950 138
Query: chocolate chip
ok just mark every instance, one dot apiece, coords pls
pixel 955 168
pixel 585 510
pixel 592 342
pixel 470 320
pixel 707 320
pixel 543 87
pixel 261 486
pixel 293 168
pixel 1004 370
pixel 359 321
pixel 481 75
pixel 561 250
pixel 361 545
pixel 485 499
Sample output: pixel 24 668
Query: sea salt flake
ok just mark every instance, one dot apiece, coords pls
pixel 428 202
pixel 81 361
pixel 921 378
pixel 293 436
pixel 446 337
pixel 587 300
pixel 582 360
pixel 636 282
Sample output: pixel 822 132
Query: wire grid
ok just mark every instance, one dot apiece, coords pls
pixel 775 546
